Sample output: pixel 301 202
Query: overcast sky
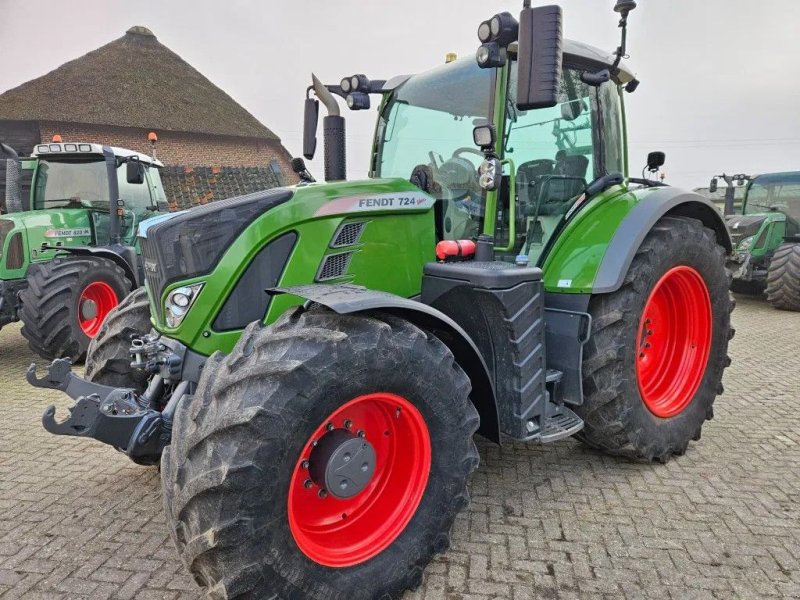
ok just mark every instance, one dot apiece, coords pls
pixel 719 91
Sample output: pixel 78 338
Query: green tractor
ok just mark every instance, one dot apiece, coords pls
pixel 67 248
pixel 310 364
pixel 766 237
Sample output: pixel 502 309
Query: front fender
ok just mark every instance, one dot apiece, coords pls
pixel 346 299
pixel 595 249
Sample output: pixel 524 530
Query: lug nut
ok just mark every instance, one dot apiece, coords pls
pixel 348 424
pixel 397 413
pixel 361 433
pixel 304 464
pixel 322 493
pixel 329 427
pixel 308 483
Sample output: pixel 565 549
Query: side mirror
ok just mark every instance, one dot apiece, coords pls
pixel 655 160
pixel 712 187
pixel 310 120
pixel 134 171
pixel 539 57
pixel 484 137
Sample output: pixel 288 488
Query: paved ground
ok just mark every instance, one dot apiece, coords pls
pixel 560 521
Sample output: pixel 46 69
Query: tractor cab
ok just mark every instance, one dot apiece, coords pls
pixel 86 176
pixel 548 155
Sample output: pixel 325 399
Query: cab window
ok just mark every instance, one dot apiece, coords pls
pixel 557 151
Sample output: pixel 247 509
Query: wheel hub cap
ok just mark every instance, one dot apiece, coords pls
pixel 88 310
pixel 342 463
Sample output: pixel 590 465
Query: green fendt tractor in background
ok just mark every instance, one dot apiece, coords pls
pixel 766 236
pixel 67 254
pixel 310 376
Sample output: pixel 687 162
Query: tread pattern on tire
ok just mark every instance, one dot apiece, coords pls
pixel 219 435
pixel 108 360
pixel 783 278
pixel 606 380
pixel 47 314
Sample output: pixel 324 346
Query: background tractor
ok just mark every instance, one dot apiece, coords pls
pixel 310 376
pixel 67 253
pixel 766 236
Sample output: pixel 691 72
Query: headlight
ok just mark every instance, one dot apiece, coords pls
pixel 747 243
pixel 489 174
pixel 179 301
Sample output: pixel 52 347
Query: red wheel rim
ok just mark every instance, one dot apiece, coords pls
pixel 674 341
pixel 95 302
pixel 344 532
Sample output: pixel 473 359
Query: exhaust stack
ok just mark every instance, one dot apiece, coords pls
pixel 333 128
pixel 13 167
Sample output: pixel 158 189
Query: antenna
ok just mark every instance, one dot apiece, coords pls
pixel 623 7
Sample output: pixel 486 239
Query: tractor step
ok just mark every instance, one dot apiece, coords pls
pixel 561 423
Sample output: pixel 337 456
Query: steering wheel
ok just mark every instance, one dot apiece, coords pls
pixel 78 202
pixel 459 151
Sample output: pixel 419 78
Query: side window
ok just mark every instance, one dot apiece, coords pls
pixel 136 196
pixel 557 151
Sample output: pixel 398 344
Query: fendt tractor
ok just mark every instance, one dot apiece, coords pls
pixel 310 364
pixel 766 236
pixel 67 252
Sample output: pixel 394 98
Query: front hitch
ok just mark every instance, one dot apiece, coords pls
pixel 118 417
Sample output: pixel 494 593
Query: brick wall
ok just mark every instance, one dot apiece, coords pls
pixel 179 148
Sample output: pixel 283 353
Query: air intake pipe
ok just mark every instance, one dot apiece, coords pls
pixel 333 129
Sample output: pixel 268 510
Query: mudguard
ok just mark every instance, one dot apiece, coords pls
pixel 596 247
pixel 640 220
pixel 346 299
pixel 124 256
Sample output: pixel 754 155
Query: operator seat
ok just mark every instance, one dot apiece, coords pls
pixel 529 177
pixel 568 180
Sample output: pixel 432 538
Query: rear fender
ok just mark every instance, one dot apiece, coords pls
pixel 665 202
pixel 593 252
pixel 348 299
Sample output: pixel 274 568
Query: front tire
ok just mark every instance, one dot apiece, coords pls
pixel 654 363
pixel 252 519
pixel 108 359
pixel 783 278
pixel 66 301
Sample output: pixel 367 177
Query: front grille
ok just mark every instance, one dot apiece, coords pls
pixel 152 273
pixel 334 266
pixel 347 235
pixel 192 243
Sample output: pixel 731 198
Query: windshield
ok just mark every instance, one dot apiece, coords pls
pixel 768 193
pixel 428 122
pixel 71 184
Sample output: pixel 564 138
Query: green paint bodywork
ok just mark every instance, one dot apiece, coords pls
pixel 390 256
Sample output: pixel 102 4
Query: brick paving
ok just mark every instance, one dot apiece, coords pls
pixel 78 520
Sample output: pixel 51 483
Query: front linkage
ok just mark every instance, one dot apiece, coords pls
pixel 140 425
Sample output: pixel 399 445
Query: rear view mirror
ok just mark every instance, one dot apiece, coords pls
pixel 540 57
pixel 712 187
pixel 310 120
pixel 134 171
pixel 655 160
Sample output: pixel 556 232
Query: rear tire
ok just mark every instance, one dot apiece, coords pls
pixel 238 443
pixel 52 320
pixel 108 359
pixel 617 418
pixel 783 278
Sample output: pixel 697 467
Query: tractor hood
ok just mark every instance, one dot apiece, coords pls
pixel 68 227
pixel 745 226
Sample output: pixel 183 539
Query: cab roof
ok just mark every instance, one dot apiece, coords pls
pixel 75 149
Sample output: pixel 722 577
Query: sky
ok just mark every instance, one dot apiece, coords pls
pixel 719 88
